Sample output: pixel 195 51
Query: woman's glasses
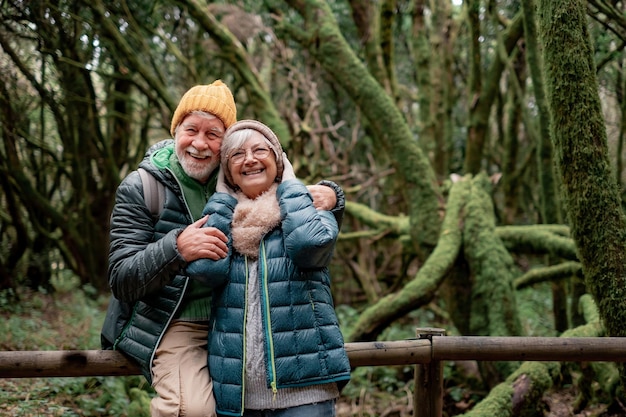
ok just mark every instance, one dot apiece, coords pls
pixel 239 155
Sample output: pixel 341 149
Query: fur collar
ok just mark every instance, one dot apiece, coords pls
pixel 252 219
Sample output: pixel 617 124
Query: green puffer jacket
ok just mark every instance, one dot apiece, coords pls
pixel 146 271
pixel 303 341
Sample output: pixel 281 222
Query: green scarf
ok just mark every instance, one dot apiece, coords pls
pixel 195 193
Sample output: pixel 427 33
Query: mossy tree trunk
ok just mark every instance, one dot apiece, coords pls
pixel 549 209
pixel 368 21
pixel 323 39
pixel 484 88
pixel 481 301
pixel 431 46
pixel 589 188
pixel 421 290
pixel 492 272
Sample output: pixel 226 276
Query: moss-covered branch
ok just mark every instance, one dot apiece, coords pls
pixel 397 225
pixel 537 239
pixel 421 289
pixel 565 270
pixel 520 394
pixel 493 306
pixel 493 298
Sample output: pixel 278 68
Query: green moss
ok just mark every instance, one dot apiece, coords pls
pixel 493 297
pixel 532 379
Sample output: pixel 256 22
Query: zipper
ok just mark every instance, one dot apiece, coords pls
pixel 267 325
pixel 180 299
pixel 245 353
pixel 182 194
pixel 169 321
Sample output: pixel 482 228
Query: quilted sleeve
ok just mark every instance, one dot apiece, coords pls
pixel 137 265
pixel 310 234
pixel 340 207
pixel 220 208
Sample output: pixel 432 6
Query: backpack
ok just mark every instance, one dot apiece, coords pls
pixel 153 193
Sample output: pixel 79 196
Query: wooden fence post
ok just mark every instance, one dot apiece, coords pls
pixel 428 397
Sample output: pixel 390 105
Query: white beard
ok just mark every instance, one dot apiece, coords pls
pixel 198 170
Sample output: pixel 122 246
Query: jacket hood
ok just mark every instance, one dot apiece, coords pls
pixel 159 154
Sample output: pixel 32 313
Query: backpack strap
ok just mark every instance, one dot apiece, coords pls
pixel 153 192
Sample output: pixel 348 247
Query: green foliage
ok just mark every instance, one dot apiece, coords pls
pixel 101 396
pixel 69 319
pixel 390 379
pixel 535 307
pixel 373 389
pixel 140 403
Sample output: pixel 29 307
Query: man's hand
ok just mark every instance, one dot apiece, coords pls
pixel 324 197
pixel 196 242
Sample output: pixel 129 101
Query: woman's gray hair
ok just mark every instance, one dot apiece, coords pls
pixel 235 141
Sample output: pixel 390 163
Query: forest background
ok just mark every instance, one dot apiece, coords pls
pixel 479 143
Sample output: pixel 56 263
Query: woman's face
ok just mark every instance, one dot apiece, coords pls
pixel 253 166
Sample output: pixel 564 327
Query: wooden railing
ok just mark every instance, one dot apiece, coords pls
pixel 427 352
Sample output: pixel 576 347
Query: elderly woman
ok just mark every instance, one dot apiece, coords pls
pixel 275 347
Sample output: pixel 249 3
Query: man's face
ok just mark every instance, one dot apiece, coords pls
pixel 198 140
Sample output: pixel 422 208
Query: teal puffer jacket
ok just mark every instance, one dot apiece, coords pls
pixel 304 345
pixel 146 271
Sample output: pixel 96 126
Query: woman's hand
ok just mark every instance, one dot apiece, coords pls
pixel 288 173
pixel 221 186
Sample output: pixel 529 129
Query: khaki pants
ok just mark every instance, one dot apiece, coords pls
pixel 180 375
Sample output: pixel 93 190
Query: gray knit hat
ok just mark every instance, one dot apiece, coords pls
pixel 266 132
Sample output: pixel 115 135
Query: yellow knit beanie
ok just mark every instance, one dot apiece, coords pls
pixel 215 98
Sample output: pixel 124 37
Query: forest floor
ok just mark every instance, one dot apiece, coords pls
pixel 559 403
pixel 30 398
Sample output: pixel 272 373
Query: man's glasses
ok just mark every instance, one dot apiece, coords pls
pixel 238 156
